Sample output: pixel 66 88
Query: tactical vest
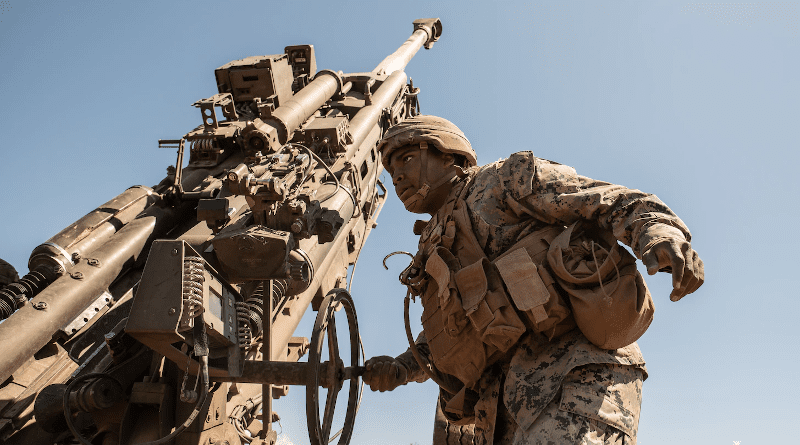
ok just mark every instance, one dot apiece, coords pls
pixel 475 310
pixel 550 282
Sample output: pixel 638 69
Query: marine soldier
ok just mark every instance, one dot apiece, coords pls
pixel 7 273
pixel 531 307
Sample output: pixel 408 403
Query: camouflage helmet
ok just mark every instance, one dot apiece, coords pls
pixel 442 133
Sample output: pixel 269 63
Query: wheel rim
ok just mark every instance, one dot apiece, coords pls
pixel 325 326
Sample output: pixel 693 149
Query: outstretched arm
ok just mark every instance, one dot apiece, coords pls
pixel 555 193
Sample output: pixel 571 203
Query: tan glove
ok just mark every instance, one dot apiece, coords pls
pixel 384 373
pixel 678 257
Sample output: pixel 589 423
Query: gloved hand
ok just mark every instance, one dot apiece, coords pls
pixel 384 373
pixel 678 257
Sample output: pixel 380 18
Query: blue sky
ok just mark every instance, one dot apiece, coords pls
pixel 698 103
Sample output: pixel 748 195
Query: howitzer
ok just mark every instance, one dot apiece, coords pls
pixel 167 314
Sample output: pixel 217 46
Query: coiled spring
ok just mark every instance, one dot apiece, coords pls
pixel 203 145
pixel 193 277
pixel 255 304
pixel 13 296
pixel 243 319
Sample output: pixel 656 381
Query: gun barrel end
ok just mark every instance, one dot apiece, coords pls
pixel 432 26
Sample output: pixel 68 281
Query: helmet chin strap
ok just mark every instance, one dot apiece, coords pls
pixel 414 202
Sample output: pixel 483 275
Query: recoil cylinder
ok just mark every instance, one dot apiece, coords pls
pixel 14 295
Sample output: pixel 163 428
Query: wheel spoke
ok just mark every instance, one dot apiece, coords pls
pixel 330 406
pixel 333 342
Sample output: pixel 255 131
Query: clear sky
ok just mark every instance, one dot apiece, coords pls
pixel 698 103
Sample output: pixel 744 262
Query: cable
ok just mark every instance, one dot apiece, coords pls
pixel 415 352
pixel 315 156
pixel 364 238
pixel 197 409
pixel 66 407
pixel 237 417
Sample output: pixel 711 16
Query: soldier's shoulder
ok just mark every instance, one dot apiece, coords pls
pixel 505 166
pixel 511 176
pixel 521 160
pixel 516 173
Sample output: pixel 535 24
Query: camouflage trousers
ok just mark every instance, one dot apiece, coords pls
pixel 597 404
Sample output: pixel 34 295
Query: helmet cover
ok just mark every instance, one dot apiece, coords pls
pixel 443 134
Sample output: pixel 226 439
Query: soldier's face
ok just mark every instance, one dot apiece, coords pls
pixel 405 166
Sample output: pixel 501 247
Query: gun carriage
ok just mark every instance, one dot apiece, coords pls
pixel 167 314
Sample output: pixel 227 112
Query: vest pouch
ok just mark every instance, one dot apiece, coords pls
pixel 532 288
pixel 534 293
pixel 462 404
pixel 487 305
pixel 610 301
pixel 536 244
pixel 439 267
pixel 456 347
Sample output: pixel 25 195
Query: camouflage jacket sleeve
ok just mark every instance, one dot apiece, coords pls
pixel 555 193
pixel 415 373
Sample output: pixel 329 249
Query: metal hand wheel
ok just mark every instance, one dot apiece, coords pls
pixel 333 373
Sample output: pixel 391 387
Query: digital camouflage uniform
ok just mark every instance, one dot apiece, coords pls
pixel 564 390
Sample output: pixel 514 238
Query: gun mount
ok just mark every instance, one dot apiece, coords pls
pixel 205 276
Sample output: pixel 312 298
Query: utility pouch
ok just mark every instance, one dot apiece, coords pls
pixel 487 305
pixel 439 267
pixel 462 405
pixel 610 301
pixel 456 347
pixel 531 286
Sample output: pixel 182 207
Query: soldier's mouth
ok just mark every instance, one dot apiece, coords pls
pixel 405 193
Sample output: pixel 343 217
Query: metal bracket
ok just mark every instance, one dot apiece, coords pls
pixel 83 319
pixel 222 100
pixel 179 144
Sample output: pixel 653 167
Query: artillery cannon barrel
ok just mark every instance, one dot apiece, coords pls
pixel 288 116
pixel 363 123
pixel 323 257
pixel 367 118
pixel 302 105
pixel 426 32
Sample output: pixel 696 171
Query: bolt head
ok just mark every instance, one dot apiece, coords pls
pixel 40 305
